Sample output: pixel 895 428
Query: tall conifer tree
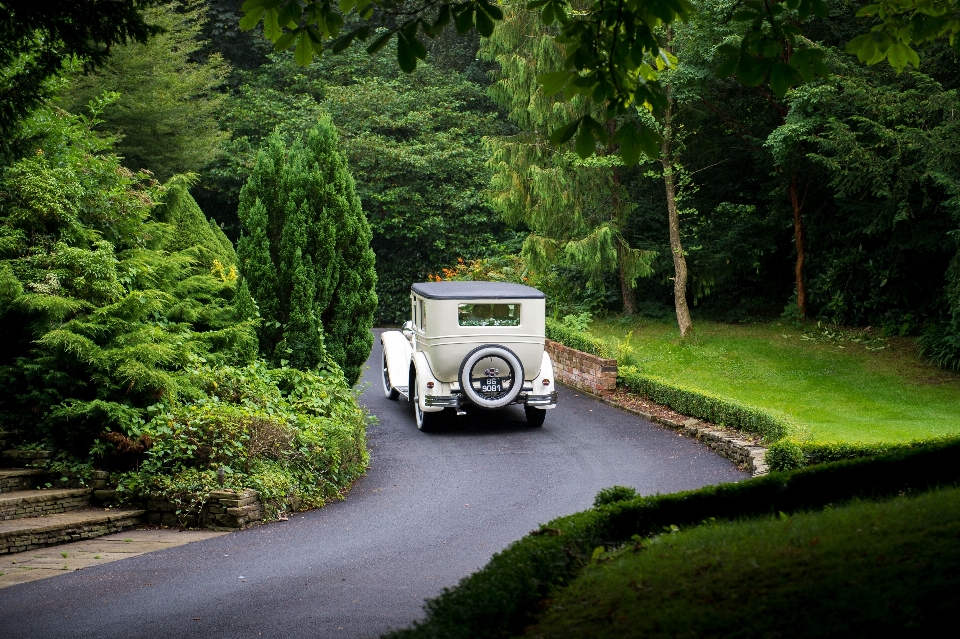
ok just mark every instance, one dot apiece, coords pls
pixel 576 209
pixel 305 253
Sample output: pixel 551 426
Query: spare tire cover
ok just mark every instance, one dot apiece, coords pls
pixel 503 385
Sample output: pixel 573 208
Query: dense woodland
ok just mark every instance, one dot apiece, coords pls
pixel 130 172
pixel 452 162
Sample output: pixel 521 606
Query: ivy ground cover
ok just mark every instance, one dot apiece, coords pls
pixel 840 385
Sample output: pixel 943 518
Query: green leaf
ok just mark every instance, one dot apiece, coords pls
pixel 464 20
pixel 492 10
pixel 554 81
pixel 900 55
pixel 346 5
pixel 628 137
pixel 484 24
pixel 728 67
pixel 405 55
pixel 781 78
pixel 304 53
pixel 285 41
pixel 380 42
pixel 586 143
pixel 291 12
pixel 271 28
pixel 564 133
pixel 251 19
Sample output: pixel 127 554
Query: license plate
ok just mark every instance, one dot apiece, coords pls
pixel 491 385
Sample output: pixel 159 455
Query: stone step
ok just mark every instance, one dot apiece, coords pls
pixel 34 503
pixel 24 458
pixel 18 535
pixel 12 479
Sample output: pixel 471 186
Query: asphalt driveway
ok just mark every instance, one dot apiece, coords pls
pixel 432 509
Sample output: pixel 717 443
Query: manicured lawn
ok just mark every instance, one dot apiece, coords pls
pixel 838 388
pixel 862 570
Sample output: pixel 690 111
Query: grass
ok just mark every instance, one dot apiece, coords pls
pixel 842 386
pixel 860 570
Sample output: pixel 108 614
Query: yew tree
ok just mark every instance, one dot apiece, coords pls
pixel 305 253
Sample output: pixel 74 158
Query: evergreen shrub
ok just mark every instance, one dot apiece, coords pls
pixel 702 405
pixel 98 318
pixel 500 599
pixel 305 253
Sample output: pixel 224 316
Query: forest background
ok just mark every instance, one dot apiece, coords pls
pixel 868 157
pixel 839 201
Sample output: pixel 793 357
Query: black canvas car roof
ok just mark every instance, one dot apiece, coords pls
pixel 475 290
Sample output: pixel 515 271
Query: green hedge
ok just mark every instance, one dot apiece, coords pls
pixel 703 405
pixel 567 336
pixel 789 453
pixel 500 599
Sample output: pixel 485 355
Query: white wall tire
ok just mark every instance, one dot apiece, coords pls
pixel 515 375
pixel 388 390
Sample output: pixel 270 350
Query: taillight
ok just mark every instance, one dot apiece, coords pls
pixel 429 384
pixel 545 382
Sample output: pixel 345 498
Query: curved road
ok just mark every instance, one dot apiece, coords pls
pixel 432 508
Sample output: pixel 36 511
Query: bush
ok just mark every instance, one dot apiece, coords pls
pixel 294 436
pixel 789 453
pixel 98 318
pixel 614 494
pixel 709 407
pixel 500 599
pixel 305 253
pixel 569 336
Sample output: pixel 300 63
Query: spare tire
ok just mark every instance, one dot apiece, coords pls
pixel 493 389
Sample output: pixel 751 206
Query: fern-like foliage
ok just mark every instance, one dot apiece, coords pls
pixel 102 306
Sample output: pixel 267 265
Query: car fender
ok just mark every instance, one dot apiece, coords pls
pixel 424 374
pixel 397 350
pixel 545 373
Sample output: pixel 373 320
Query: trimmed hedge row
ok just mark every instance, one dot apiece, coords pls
pixel 703 405
pixel 575 339
pixel 789 453
pixel 501 599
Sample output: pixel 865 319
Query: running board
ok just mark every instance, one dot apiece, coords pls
pixel 403 390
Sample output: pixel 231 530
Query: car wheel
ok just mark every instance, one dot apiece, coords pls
pixel 473 387
pixel 426 422
pixel 389 391
pixel 535 416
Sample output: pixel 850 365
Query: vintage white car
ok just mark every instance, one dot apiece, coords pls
pixel 470 343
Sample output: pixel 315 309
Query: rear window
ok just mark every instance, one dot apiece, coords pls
pixel 489 315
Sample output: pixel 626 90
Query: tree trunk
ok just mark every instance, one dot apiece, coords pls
pixel 796 204
pixel 629 292
pixel 627 288
pixel 676 248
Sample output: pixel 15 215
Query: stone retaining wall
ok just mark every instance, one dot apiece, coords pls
pixel 597 375
pixel 21 479
pixel 44 504
pixel 24 458
pixel 222 510
pixel 20 541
